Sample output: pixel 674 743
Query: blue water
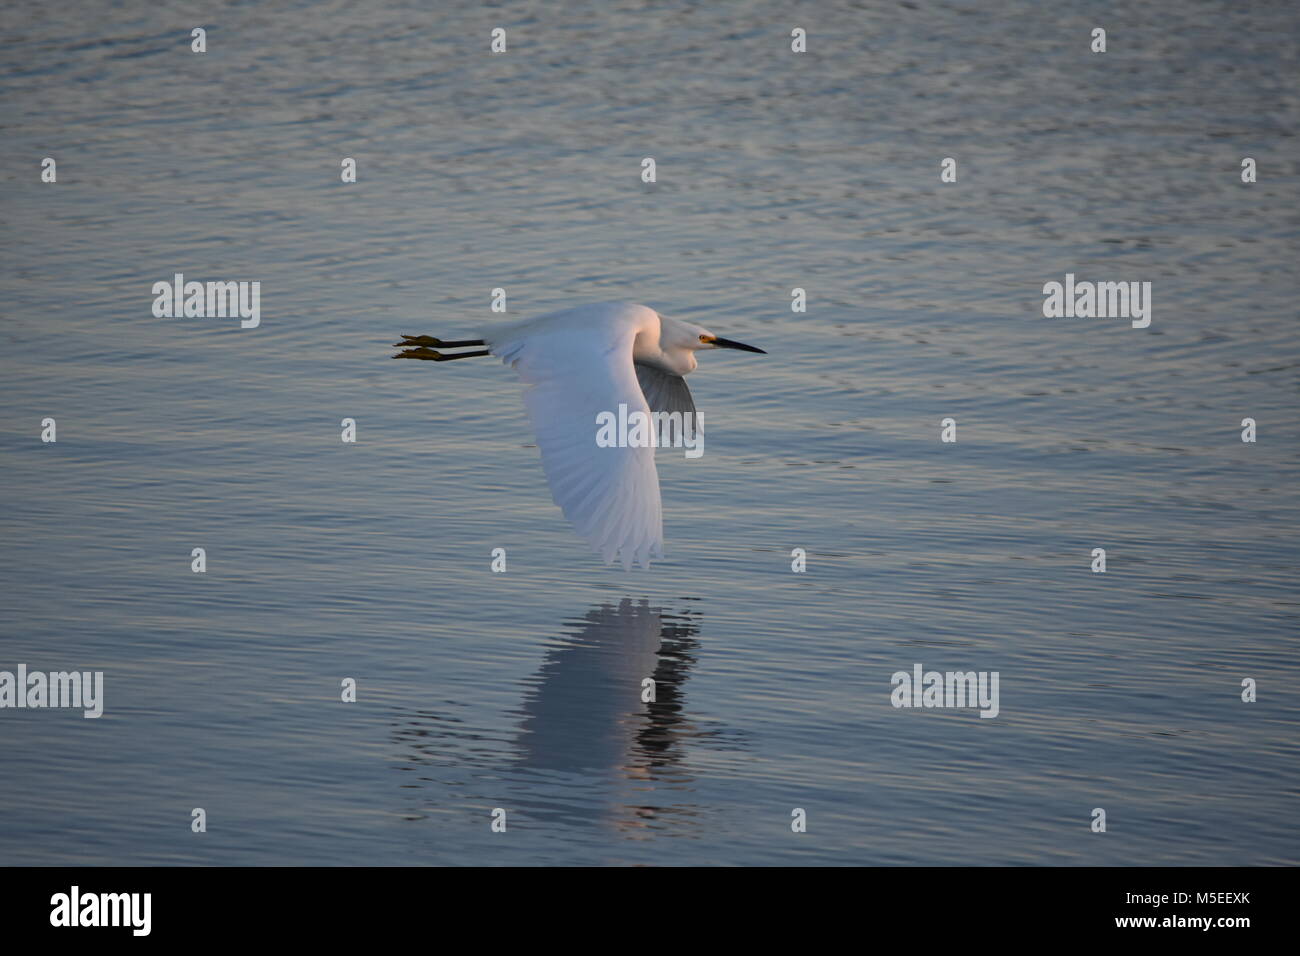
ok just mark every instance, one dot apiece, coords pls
pixel 521 691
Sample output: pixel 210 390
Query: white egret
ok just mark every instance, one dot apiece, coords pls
pixel 576 365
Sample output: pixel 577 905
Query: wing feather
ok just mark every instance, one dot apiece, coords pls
pixel 573 369
pixel 666 392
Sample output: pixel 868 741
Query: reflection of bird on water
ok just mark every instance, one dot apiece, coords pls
pixel 585 709
pixel 587 749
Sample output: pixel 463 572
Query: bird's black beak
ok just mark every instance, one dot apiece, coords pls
pixel 728 344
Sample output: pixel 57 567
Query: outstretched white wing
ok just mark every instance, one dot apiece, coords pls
pixel 574 369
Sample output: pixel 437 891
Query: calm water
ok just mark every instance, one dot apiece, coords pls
pixel 520 690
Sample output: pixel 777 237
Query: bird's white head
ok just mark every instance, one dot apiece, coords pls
pixel 681 340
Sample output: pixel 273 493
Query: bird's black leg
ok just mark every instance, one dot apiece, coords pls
pixel 419 347
pixel 414 340
pixel 432 356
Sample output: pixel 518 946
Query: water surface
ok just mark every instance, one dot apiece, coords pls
pixel 523 690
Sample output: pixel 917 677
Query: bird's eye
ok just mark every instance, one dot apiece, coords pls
pixel 704 338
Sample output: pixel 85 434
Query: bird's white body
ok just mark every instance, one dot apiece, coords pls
pixel 608 323
pixel 578 365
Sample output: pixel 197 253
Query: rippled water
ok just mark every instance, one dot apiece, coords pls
pixel 522 690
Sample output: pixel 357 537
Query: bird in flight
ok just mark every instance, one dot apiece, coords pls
pixel 578 366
